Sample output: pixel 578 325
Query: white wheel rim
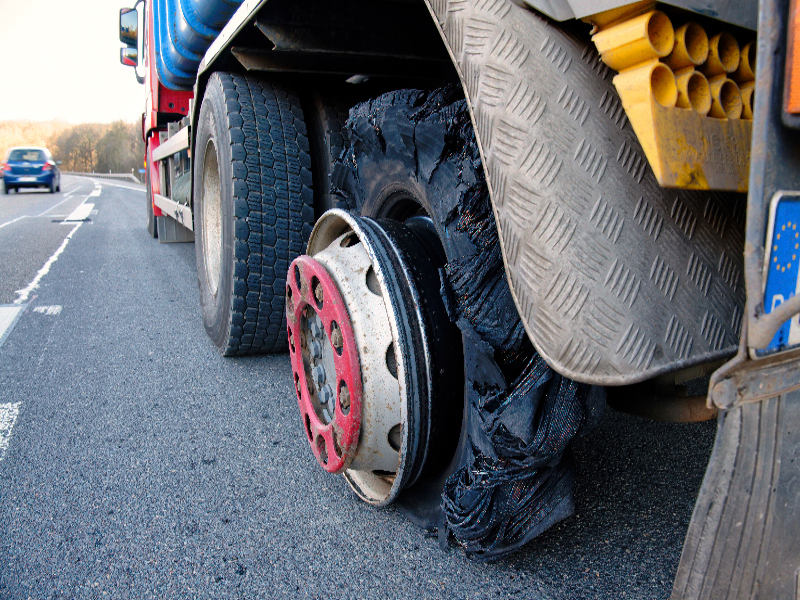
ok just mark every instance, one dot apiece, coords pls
pixel 211 215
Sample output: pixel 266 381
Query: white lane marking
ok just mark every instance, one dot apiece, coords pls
pixel 14 220
pixel 8 318
pixel 81 213
pixel 51 311
pixel 66 197
pixel 25 292
pixel 121 185
pixel 96 192
pixel 8 417
pixel 54 205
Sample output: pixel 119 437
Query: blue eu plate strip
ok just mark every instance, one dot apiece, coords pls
pixel 782 267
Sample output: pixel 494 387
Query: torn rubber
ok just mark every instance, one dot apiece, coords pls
pixel 511 477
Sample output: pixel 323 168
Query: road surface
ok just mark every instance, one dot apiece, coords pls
pixel 135 462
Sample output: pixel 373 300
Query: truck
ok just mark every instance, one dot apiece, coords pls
pixel 473 224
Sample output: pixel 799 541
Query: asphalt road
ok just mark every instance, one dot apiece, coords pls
pixel 137 463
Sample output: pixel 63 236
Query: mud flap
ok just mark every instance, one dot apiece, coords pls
pixel 742 540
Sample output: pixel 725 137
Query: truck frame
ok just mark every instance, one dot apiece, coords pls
pixel 474 223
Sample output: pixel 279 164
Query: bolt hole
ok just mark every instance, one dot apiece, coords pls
pixel 289 302
pixel 391 360
pixel 349 240
pixel 323 451
pixel 298 278
pixel 297 385
pixel 337 340
pixel 395 437
pixel 291 340
pixel 344 398
pixel 316 288
pixel 308 429
pixel 337 449
pixel 372 282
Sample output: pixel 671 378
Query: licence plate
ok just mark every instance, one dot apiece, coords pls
pixel 782 268
pixel 26 179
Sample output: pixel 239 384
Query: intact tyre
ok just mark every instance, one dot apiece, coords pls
pixel 253 209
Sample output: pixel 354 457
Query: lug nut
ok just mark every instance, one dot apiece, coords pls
pixel 315 350
pixel 318 374
pixel 326 395
pixel 316 330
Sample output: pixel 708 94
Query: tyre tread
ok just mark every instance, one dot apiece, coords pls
pixel 271 196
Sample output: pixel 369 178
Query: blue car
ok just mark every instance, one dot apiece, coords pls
pixel 30 167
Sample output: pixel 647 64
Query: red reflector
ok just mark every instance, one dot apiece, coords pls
pixel 791 90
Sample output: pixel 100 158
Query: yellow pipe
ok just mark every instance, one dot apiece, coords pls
pixel 693 91
pixel 726 101
pixel 747 64
pixel 691 47
pixel 723 55
pixel 650 80
pixel 636 40
pixel 747 90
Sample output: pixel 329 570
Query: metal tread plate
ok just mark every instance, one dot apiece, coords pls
pixel 616 279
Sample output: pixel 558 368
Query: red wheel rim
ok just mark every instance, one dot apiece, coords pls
pixel 334 442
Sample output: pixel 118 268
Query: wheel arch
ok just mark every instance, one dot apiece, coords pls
pixel 451 47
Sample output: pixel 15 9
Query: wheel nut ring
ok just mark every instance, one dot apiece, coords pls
pixel 310 289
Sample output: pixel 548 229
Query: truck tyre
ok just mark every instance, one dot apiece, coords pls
pixel 326 116
pixel 413 163
pixel 253 209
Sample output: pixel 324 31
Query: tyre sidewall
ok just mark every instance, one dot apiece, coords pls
pixel 215 307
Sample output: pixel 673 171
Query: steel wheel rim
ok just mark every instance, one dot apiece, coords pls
pixel 212 218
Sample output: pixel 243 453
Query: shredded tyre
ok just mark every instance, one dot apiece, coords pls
pixel 414 153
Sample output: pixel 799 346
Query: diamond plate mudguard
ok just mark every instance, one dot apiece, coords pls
pixel 616 279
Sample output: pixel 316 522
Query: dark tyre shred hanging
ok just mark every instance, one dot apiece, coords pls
pixel 267 208
pixel 512 476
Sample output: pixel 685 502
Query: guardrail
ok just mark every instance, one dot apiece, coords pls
pixel 123 176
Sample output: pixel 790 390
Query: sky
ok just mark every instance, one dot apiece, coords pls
pixel 60 60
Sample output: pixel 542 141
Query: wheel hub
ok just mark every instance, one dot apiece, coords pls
pixel 325 363
pixel 357 291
